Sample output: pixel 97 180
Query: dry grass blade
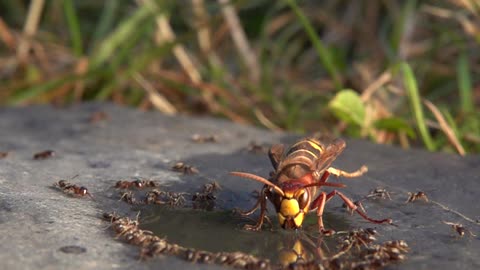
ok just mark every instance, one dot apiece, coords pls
pixel 201 21
pixel 212 89
pixel 240 39
pixel 445 127
pixel 6 35
pixel 472 6
pixel 31 25
pixel 157 99
pixel 166 33
pixel 265 121
pixel 375 85
pixel 469 26
pixel 202 27
pixel 81 68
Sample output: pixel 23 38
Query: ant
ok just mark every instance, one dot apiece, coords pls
pixel 128 197
pixel 152 196
pixel 72 189
pixel 98 116
pixel 381 193
pixel 206 198
pixel 204 138
pixel 173 199
pixel 136 183
pixel 44 155
pixel 256 148
pixel 3 155
pixel 459 229
pixel 417 196
pixel 184 168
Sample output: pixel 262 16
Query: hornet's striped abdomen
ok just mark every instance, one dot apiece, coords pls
pixel 299 159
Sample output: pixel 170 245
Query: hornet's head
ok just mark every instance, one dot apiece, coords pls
pixel 293 199
pixel 291 207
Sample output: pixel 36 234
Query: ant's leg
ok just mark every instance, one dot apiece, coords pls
pixel 353 207
pixel 356 173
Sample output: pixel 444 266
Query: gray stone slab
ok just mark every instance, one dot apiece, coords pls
pixel 37 221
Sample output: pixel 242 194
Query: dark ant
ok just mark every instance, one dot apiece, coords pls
pixel 173 198
pixel 256 148
pixel 135 183
pixel 206 198
pixel 163 197
pixel 98 116
pixel 128 197
pixel 44 155
pixel 152 196
pixel 381 193
pixel 72 189
pixel 207 193
pixel 204 138
pixel 357 238
pixel 211 187
pixel 381 255
pixel 417 196
pixel 3 155
pixel 110 217
pixel 459 228
pixel 185 169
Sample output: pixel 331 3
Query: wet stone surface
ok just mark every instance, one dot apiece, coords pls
pixel 43 226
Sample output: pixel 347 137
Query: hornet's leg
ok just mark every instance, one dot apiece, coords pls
pixel 262 203
pixel 254 208
pixel 319 203
pixel 355 208
pixel 356 173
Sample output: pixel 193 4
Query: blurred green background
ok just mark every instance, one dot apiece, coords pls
pixel 400 72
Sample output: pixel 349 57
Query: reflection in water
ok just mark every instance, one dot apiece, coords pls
pixel 222 232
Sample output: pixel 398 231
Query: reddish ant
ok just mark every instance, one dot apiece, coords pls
pixel 459 228
pixel 72 189
pixel 184 168
pixel 44 155
pixel 98 116
pixel 417 196
pixel 204 138
pixel 256 148
pixel 136 183
pixel 3 155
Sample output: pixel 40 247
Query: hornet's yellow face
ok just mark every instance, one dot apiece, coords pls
pixel 292 207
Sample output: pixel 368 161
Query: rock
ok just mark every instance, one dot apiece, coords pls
pixel 42 227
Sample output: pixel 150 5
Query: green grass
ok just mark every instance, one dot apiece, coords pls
pixel 416 105
pixel 316 59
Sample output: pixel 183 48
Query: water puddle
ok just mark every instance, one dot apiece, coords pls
pixel 221 231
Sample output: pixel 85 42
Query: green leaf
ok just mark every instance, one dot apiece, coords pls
pixel 348 106
pixel 395 124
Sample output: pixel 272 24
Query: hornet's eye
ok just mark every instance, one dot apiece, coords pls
pixel 303 200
